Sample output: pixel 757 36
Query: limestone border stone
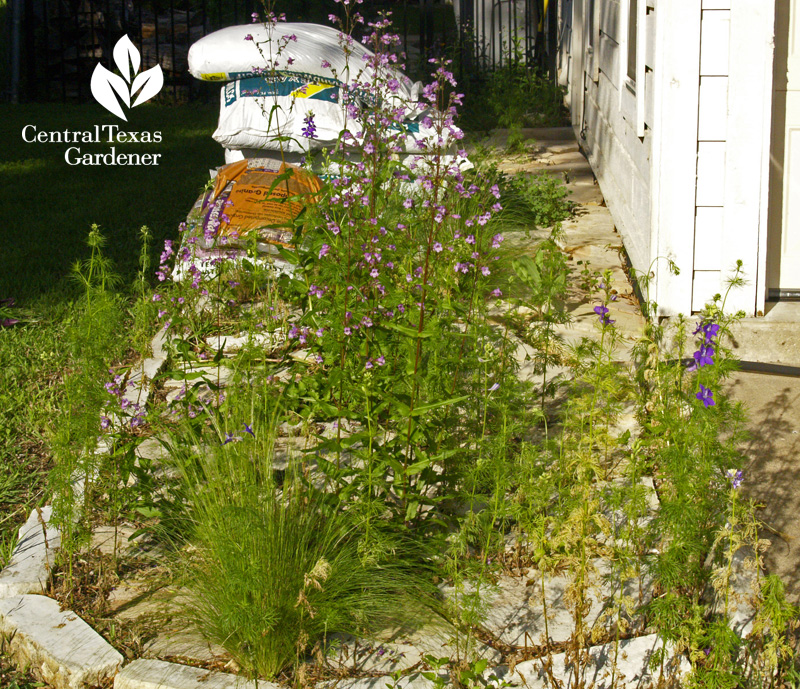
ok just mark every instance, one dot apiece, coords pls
pixel 28 570
pixel 159 674
pixel 56 646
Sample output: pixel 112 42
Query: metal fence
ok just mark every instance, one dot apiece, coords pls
pixel 60 41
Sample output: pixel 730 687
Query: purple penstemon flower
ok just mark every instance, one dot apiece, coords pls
pixel 248 37
pixel 310 129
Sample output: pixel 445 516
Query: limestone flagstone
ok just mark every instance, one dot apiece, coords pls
pixel 159 674
pixel 619 666
pixel 28 570
pixel 55 645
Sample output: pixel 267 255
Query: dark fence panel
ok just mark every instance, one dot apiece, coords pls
pixel 64 39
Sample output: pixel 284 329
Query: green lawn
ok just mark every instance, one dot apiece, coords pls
pixel 47 205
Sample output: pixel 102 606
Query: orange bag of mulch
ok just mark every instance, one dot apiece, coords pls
pixel 246 197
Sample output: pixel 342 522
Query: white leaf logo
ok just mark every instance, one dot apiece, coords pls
pixel 107 86
pixel 125 55
pixel 104 84
pixel 150 81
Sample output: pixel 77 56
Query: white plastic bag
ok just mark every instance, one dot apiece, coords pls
pixel 305 51
pixel 275 115
pixel 267 114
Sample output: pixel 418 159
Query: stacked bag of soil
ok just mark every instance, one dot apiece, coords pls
pixel 288 89
pixel 286 81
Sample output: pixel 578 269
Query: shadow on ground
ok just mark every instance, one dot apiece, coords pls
pixel 772 474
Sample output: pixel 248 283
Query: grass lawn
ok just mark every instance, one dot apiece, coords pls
pixel 47 207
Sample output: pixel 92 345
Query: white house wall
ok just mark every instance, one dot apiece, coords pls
pixel 715 29
pixel 619 158
pixel 681 155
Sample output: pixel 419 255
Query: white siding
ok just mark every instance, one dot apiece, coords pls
pixel 691 185
pixel 612 122
pixel 713 120
pixel 715 43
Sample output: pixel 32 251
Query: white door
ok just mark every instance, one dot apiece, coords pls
pixel 784 245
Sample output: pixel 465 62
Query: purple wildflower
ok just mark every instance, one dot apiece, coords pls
pixel 310 129
pixel 706 396
pixel 735 476
pixel 602 312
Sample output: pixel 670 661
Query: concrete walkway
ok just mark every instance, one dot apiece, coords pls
pixel 772 471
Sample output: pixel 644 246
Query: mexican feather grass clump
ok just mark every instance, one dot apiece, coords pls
pixel 274 568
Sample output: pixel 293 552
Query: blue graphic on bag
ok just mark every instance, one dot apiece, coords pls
pixel 260 87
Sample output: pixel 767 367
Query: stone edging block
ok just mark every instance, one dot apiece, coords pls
pixel 56 646
pixel 159 674
pixel 28 570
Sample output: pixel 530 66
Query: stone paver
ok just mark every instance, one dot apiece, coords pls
pixel 413 681
pixel 360 655
pixel 56 646
pixel 158 674
pixel 621 667
pixel 28 571
pixel 516 615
